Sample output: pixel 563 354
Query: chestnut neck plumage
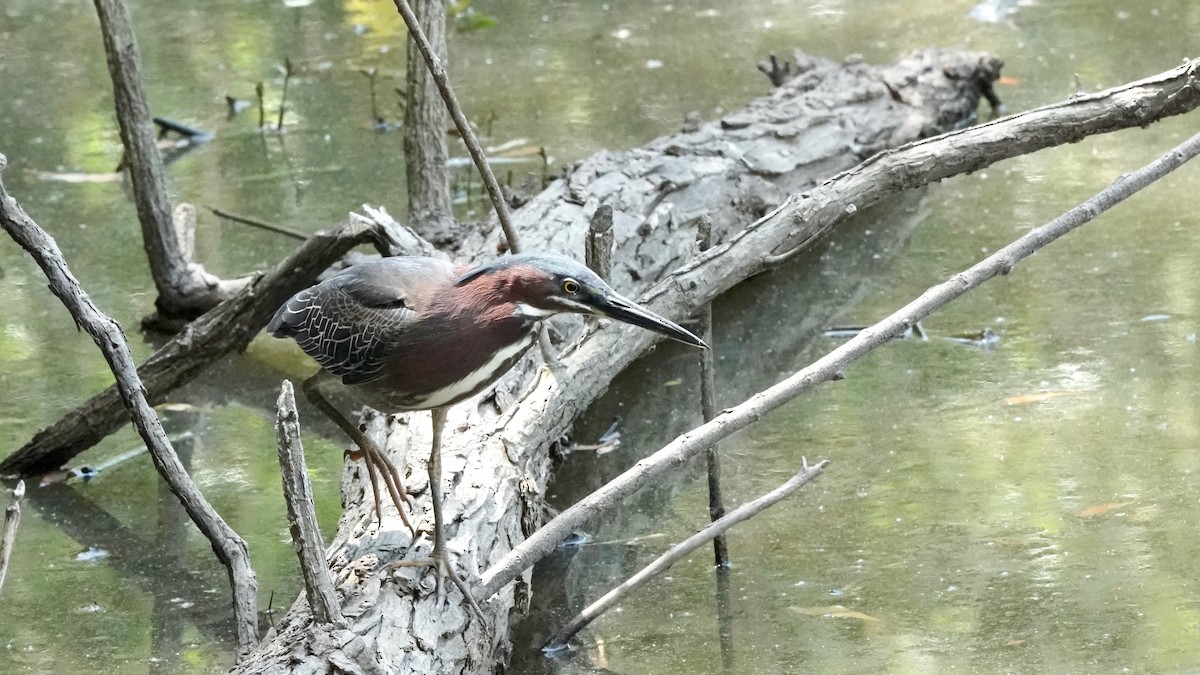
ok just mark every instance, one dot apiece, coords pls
pixel 480 328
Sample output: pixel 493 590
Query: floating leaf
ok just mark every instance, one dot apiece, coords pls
pixel 1038 397
pixel 834 612
pixel 78 177
pixel 1101 509
pixel 54 477
pixel 92 554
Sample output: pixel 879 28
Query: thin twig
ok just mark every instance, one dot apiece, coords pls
pixel 725 620
pixel 261 224
pixel 708 404
pixel 830 367
pixel 371 74
pixel 460 121
pixel 12 517
pixel 262 107
pixel 229 547
pixel 287 78
pixel 297 491
pixel 679 551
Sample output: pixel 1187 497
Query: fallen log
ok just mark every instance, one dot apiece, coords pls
pixel 737 169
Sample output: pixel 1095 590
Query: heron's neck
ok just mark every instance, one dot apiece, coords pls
pixel 496 302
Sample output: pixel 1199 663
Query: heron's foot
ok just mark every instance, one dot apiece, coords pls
pixel 378 465
pixel 440 562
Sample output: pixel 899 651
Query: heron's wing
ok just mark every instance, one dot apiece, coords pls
pixel 350 322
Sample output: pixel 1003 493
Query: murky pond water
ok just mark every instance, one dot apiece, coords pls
pixel 1025 508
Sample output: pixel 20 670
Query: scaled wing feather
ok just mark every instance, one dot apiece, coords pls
pixel 350 322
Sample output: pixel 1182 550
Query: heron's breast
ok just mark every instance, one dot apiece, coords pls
pixel 436 378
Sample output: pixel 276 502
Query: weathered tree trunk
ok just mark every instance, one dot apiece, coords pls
pixel 184 288
pixel 430 210
pixel 827 119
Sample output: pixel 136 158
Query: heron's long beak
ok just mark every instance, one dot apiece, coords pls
pixel 616 307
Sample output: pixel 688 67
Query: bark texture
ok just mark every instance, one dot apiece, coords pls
pixel 302 517
pixel 736 169
pixel 828 118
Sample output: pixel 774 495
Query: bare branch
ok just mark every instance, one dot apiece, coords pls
pixel 679 551
pixel 297 491
pixel 12 517
pixel 830 367
pixel 708 404
pixel 229 547
pixel 1136 104
pixel 255 222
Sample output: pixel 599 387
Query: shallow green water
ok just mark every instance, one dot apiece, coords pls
pixel 1051 534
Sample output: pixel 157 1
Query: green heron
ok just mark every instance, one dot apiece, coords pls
pixel 412 333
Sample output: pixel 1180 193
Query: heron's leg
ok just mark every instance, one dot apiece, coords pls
pixel 435 497
pixel 439 559
pixel 374 458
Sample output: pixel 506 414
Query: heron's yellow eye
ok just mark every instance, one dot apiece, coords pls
pixel 571 286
